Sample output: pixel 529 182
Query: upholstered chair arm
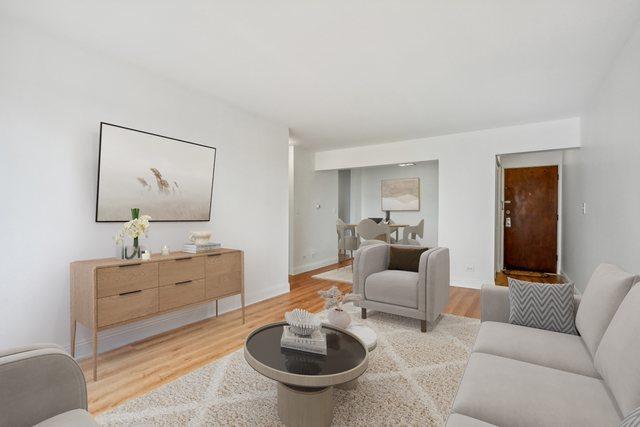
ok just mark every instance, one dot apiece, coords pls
pixel 37 383
pixel 494 303
pixel 434 280
pixel 368 260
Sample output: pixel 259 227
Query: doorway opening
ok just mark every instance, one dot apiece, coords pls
pixel 528 217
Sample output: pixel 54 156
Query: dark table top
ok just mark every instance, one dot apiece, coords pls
pixel 344 352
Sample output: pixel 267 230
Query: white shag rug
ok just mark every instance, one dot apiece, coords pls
pixel 342 274
pixel 411 380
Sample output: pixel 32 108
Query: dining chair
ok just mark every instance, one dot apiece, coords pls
pixel 372 233
pixel 346 240
pixel 410 233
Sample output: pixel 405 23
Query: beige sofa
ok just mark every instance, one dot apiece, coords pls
pixel 420 295
pixel 520 376
pixel 42 385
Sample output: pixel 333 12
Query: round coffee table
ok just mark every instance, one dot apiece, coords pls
pixel 305 380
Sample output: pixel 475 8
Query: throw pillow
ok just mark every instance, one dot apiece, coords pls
pixel 632 420
pixel 542 306
pixel 407 259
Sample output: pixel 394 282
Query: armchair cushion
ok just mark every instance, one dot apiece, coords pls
pixel 395 287
pixel 405 258
pixel 73 418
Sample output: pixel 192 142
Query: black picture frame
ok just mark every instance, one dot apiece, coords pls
pixel 215 155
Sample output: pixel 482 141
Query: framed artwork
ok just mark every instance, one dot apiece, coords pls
pixel 167 178
pixel 400 194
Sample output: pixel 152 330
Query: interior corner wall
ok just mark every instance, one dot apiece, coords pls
pixel 604 174
pixel 53 96
pixel 315 242
pixel 466 166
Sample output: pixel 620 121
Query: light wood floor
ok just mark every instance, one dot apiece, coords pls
pixel 529 276
pixel 140 367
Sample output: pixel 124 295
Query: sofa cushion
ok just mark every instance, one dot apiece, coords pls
pixel 395 287
pixel 542 306
pixel 458 420
pixel 509 392
pixel 617 356
pixel 606 289
pixel 405 258
pixel 551 349
pixel 74 418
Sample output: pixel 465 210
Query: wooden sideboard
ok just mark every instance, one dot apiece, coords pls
pixel 111 292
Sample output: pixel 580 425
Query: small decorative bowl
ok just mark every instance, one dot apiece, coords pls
pixel 301 322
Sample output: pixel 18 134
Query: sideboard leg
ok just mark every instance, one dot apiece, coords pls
pixel 242 301
pixel 95 355
pixel 73 337
pixel 216 308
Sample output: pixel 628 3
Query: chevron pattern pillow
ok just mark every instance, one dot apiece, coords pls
pixel 542 306
pixel 632 420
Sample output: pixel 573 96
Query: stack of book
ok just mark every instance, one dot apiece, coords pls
pixel 314 343
pixel 194 248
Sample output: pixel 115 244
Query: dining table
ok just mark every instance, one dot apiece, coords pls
pixel 395 228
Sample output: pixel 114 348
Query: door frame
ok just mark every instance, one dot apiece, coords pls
pixel 499 211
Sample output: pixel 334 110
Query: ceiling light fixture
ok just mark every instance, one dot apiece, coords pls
pixel 404 165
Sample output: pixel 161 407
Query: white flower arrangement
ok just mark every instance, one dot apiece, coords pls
pixel 333 298
pixel 135 228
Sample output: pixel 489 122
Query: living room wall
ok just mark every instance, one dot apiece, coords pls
pixel 53 96
pixel 604 175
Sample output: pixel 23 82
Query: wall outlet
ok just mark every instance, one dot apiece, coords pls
pixel 470 268
pixel 583 208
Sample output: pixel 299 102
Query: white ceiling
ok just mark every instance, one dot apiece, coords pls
pixel 350 72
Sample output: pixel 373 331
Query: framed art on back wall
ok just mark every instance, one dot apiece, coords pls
pixel 400 194
pixel 169 179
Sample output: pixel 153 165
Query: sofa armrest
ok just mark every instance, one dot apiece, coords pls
pixel 39 383
pixel 368 260
pixel 494 303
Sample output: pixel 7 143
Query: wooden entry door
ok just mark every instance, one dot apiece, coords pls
pixel 531 219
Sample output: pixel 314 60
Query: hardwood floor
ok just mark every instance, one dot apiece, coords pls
pixel 529 276
pixel 140 367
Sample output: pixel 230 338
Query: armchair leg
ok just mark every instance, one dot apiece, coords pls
pixel 364 313
pixel 423 325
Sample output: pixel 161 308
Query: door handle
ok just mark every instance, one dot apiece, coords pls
pixel 184 282
pixel 183 259
pixel 130 293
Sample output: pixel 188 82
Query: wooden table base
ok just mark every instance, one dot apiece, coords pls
pixel 301 406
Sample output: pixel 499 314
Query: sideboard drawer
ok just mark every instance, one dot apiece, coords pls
pixel 126 278
pixel 127 306
pixel 223 263
pixel 179 294
pixel 181 269
pixel 223 284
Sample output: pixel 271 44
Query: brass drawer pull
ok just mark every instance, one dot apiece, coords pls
pixel 130 265
pixel 184 282
pixel 184 259
pixel 129 293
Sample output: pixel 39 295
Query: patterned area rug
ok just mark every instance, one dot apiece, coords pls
pixel 342 274
pixel 411 380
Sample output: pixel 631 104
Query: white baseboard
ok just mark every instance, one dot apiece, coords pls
pixel 123 335
pixel 465 283
pixel 312 266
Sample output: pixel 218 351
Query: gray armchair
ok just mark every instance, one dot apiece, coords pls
pixel 42 385
pixel 422 295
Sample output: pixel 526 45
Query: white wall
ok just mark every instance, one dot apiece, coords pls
pixel 315 242
pixel 466 182
pixel 604 174
pixel 371 178
pixel 52 98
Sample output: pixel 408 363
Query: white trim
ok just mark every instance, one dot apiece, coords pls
pixel 312 266
pixel 464 283
pixel 127 334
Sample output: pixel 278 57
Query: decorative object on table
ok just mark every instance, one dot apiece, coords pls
pixel 400 194
pixel 165 250
pixel 193 248
pixel 135 229
pixel 169 178
pixel 333 300
pixel 146 255
pixel 302 323
pixel 199 237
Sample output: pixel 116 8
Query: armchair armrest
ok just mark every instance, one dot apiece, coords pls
pixel 39 383
pixel 434 280
pixel 494 303
pixel 368 260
